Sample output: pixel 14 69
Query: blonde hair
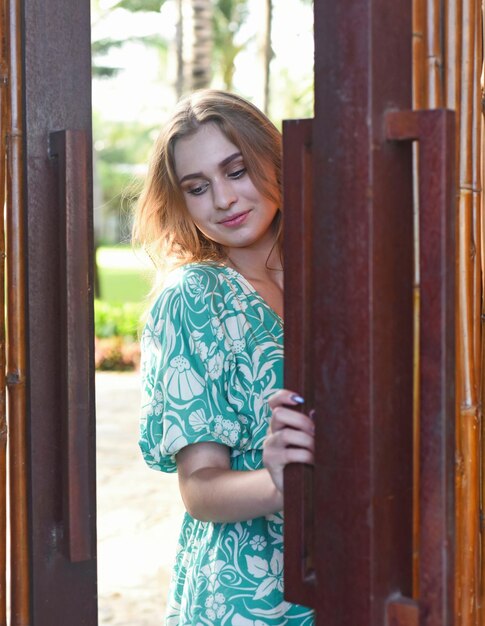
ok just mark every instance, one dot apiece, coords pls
pixel 162 225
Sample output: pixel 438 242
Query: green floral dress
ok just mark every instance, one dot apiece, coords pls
pixel 212 355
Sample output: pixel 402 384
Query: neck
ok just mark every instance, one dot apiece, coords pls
pixel 256 264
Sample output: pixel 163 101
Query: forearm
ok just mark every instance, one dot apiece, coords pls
pixel 224 495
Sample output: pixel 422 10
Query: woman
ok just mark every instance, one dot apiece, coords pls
pixel 212 359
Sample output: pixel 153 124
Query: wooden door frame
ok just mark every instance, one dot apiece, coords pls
pixel 355 566
pixel 57 97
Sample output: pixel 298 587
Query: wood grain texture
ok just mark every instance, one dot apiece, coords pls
pixel 16 324
pixel 454 61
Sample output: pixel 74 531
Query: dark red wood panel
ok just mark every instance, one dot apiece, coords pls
pixel 58 96
pixel 299 529
pixel 351 350
pixel 69 150
pixel 435 131
pixel 361 265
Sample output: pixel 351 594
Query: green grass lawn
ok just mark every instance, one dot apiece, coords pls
pixel 125 275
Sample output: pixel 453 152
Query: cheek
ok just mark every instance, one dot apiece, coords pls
pixel 199 217
pixel 271 208
pixel 269 204
pixel 195 208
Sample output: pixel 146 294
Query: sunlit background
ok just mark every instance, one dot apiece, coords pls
pixel 136 71
pixel 146 54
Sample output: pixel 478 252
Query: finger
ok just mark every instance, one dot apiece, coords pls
pixel 283 417
pixel 285 396
pixel 278 458
pixel 295 439
pixel 298 455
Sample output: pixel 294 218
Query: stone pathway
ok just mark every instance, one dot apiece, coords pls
pixel 139 512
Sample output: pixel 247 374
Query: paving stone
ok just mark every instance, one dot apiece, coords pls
pixel 139 512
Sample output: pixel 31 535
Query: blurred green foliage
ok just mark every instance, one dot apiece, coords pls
pixel 139 5
pixel 122 148
pixel 124 275
pixel 229 17
pixel 101 47
pixel 123 285
pixel 118 320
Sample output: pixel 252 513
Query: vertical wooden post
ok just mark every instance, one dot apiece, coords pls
pixel 363 324
pixel 16 322
pixel 361 363
pixel 3 407
pixel 436 354
pixel 300 528
pixel 63 485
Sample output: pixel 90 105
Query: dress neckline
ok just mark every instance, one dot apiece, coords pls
pixel 252 289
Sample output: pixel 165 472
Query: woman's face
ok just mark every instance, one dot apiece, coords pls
pixel 219 194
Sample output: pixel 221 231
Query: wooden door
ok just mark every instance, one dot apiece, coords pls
pixel 350 332
pixel 46 61
pixel 350 336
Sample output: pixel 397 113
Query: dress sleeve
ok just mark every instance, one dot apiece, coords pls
pixel 185 373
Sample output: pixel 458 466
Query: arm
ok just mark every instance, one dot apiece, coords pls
pixel 211 491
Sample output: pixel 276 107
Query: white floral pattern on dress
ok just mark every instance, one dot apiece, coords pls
pixel 212 355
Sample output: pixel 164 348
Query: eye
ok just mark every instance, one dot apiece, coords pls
pixel 238 173
pixel 197 190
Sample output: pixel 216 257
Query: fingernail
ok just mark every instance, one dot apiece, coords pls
pixel 298 399
pixel 311 414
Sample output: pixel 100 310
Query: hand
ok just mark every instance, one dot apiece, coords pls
pixel 290 436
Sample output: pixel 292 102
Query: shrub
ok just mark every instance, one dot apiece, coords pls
pixel 116 354
pixel 117 330
pixel 118 320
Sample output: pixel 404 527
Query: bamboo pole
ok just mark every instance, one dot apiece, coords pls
pixel 461 84
pixel 452 63
pixel 477 193
pixel 467 465
pixel 477 190
pixel 453 29
pixel 481 148
pixel 420 76
pixel 3 416
pixel 420 98
pixel 453 37
pixel 480 56
pixel 434 54
pixel 453 34
pixel 468 500
pixel 16 354
pixel 481 614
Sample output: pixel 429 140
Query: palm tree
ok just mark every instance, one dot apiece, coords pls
pixel 229 16
pixel 100 47
pixel 194 40
pixel 267 53
pixel 202 43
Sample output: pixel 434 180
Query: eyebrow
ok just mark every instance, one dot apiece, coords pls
pixel 223 163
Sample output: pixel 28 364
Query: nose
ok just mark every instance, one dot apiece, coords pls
pixel 224 193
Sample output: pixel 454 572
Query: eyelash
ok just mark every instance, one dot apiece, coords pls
pixel 238 173
pixel 200 189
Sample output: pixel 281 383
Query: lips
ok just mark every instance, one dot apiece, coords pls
pixel 234 220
